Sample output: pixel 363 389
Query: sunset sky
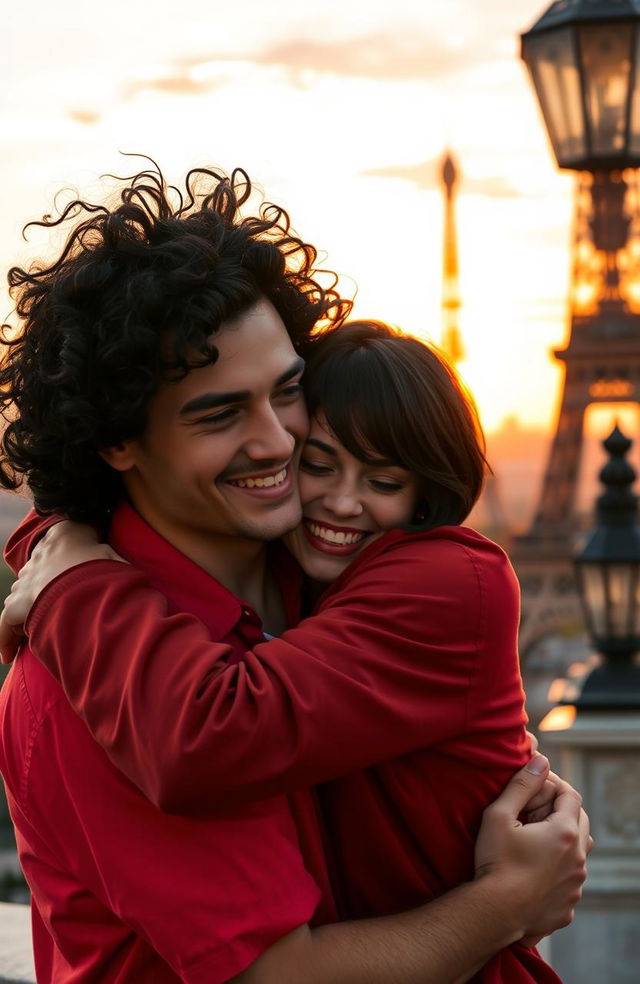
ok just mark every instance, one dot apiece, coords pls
pixel 341 111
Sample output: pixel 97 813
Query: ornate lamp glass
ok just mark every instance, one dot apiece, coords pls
pixel 583 58
pixel 608 574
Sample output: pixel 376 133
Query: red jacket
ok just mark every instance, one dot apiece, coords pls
pixel 403 689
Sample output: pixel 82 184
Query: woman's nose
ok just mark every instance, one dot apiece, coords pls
pixel 343 503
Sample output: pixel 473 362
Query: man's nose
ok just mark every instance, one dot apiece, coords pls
pixel 270 438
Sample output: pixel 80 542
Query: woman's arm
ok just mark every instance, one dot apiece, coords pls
pixel 382 670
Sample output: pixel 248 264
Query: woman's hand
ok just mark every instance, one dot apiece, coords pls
pixel 65 545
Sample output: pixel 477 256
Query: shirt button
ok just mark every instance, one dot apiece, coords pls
pixel 246 610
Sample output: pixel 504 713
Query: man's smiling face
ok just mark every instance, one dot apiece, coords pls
pixel 219 457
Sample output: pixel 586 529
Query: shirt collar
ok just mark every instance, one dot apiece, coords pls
pixel 188 587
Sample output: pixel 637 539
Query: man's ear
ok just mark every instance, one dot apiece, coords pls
pixel 120 457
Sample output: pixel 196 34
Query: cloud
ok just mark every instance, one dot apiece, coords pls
pixel 400 57
pixel 493 186
pixel 426 176
pixel 178 84
pixel 404 53
pixel 85 116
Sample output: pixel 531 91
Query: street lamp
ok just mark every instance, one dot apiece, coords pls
pixel 583 58
pixel 584 61
pixel 608 575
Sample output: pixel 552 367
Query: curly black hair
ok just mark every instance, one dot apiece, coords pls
pixel 135 298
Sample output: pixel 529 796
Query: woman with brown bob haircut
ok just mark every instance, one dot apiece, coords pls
pixel 381 389
pixel 400 698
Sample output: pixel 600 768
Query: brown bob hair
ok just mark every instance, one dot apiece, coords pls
pixel 385 394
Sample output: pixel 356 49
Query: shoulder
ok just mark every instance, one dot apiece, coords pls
pixel 446 555
pixel 24 538
pixel 450 581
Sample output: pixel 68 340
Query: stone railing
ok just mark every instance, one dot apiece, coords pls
pixel 16 956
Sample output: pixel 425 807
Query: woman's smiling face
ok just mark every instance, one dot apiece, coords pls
pixel 346 503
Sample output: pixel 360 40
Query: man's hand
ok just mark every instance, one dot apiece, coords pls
pixel 544 862
pixel 65 545
pixel 541 804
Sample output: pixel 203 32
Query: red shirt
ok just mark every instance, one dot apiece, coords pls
pixel 120 891
pixel 410 661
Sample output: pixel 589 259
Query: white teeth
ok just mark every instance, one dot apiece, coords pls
pixel 261 483
pixel 331 536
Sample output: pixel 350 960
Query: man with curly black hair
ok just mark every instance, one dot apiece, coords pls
pixel 154 391
pixel 136 298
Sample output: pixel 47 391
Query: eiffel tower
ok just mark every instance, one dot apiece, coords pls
pixel 451 343
pixel 493 519
pixel 602 365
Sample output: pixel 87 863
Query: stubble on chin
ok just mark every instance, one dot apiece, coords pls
pixel 270 530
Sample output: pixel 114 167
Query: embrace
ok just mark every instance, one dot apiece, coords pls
pixel 267 724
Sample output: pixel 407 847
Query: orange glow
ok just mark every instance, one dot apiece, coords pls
pixel 584 251
pixel 577 669
pixel 633 294
pixel 611 388
pixel 601 418
pixel 584 298
pixel 557 690
pixel 558 719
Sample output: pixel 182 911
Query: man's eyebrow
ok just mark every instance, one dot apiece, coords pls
pixel 209 401
pixel 296 367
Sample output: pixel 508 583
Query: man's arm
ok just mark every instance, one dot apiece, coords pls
pixel 528 881
pixel 446 942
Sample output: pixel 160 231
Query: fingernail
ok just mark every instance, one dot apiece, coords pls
pixel 537 764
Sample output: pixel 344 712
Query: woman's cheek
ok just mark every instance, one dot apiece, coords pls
pixel 307 487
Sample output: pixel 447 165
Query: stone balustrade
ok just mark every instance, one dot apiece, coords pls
pixel 16 955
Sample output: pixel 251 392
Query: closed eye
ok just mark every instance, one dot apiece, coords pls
pixel 381 485
pixel 291 391
pixel 313 468
pixel 220 417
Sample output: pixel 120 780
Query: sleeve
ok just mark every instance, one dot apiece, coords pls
pixel 384 669
pixel 20 544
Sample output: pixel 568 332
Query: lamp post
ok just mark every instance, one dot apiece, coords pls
pixel 608 575
pixel 593 737
pixel 584 60
pixel 583 57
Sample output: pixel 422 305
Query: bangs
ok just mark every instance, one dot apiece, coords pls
pixel 360 404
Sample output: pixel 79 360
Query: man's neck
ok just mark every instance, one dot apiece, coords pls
pixel 239 563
